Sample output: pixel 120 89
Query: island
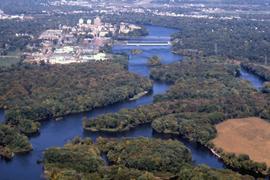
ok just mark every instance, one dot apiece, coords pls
pixel 154 61
pixel 136 51
pixel 139 158
pixel 12 142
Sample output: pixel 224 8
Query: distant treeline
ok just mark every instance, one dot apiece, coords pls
pixel 238 38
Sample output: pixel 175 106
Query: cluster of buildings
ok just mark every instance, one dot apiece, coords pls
pixel 81 43
pixel 82 3
pixel 4 16
pixel 169 9
pixel 195 15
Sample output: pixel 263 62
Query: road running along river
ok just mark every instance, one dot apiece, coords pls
pixel 58 133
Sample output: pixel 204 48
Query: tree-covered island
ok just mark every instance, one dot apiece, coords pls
pixel 140 158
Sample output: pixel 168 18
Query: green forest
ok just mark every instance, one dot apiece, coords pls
pixel 11 141
pixel 141 158
pixel 204 93
pixel 31 93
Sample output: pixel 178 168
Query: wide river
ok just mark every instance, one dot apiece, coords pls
pixel 57 133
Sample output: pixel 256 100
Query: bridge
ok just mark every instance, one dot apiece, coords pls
pixel 145 43
pixel 147 38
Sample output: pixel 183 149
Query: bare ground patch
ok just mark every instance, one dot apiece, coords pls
pixel 245 136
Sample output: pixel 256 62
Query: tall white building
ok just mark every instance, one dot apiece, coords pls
pixel 81 21
pixel 89 22
pixel 97 21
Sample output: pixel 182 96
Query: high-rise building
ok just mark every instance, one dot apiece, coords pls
pixel 97 21
pixel 89 21
pixel 81 21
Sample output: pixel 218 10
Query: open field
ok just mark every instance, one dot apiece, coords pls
pixel 245 136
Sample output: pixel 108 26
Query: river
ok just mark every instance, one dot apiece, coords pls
pixel 255 81
pixel 57 133
pixel 2 116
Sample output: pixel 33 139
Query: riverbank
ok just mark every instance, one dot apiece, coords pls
pixel 138 96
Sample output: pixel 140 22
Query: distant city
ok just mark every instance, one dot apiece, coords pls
pixel 80 43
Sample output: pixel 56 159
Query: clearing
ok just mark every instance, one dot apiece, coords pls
pixel 245 136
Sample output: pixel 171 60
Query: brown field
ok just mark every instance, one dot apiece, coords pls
pixel 245 136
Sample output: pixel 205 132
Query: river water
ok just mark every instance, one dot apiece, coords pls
pixel 58 133
pixel 2 116
pixel 254 80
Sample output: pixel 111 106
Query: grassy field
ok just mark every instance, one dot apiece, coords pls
pixel 245 136
pixel 10 59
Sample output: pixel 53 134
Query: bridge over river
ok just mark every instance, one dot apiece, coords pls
pixel 147 38
pixel 145 41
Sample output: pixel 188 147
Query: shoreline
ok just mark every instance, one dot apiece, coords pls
pixel 138 96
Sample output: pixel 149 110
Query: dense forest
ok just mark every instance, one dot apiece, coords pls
pixel 139 158
pixel 212 82
pixel 266 87
pixel 11 141
pixel 30 93
pixel 204 92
